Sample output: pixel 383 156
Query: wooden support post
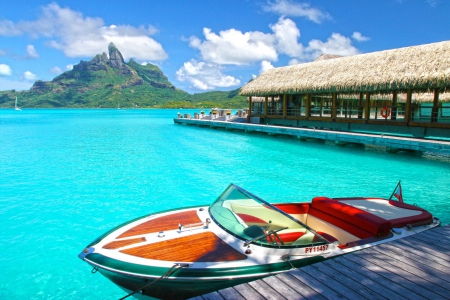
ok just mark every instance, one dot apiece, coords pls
pixel 249 109
pixel 367 112
pixel 284 106
pixel 308 105
pixel 333 106
pixel 394 106
pixel 408 110
pixel 360 106
pixel 435 109
pixel 266 105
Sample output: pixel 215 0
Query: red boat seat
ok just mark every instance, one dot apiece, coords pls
pixel 351 219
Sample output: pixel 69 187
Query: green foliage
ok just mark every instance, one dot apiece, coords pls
pixel 96 84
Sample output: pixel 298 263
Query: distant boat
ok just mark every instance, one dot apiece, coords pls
pixel 15 105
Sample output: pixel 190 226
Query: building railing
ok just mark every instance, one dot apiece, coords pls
pixel 423 114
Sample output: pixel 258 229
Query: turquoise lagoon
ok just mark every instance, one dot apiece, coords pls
pixel 67 176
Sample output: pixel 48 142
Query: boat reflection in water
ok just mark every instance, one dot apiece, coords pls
pixel 191 251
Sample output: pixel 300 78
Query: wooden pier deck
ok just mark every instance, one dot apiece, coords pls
pixel 391 143
pixel 417 267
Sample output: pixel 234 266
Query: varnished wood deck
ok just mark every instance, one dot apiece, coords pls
pixel 417 267
pixel 123 243
pixel 202 247
pixel 169 222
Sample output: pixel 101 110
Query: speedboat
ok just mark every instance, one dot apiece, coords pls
pixel 182 253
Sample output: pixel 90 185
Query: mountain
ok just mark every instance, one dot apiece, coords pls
pixel 107 81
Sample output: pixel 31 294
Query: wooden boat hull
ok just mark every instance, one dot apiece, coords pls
pixel 187 252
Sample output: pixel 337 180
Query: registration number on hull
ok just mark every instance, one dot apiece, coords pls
pixel 316 249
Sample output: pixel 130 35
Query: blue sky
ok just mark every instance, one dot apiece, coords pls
pixel 206 45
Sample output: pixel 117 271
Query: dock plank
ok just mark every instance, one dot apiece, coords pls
pixel 415 267
pixel 398 284
pixel 415 283
pixel 423 262
pixel 424 248
pixel 442 283
pixel 359 282
pixel 300 287
pixel 305 277
pixel 266 291
pixel 248 292
pixel 352 288
pixel 213 296
pixel 230 293
pixel 282 288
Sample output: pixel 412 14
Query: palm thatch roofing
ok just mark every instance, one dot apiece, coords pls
pixel 420 68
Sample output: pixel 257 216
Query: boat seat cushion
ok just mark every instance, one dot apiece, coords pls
pixel 349 217
pixel 424 216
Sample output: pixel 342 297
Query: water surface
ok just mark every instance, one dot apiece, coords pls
pixel 67 176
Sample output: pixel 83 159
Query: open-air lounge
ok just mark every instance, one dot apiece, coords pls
pixel 400 92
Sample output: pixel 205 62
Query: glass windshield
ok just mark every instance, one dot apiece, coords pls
pixel 257 221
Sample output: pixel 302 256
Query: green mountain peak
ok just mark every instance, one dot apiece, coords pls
pixel 106 81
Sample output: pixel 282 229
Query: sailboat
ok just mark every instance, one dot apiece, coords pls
pixel 15 105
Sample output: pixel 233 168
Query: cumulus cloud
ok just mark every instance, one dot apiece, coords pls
pixel 359 37
pixel 286 35
pixel 77 35
pixel 31 52
pixel 69 67
pixel 234 47
pixel 290 8
pixel 56 70
pixel 27 75
pixel 336 44
pixel 265 65
pixel 205 76
pixel 5 70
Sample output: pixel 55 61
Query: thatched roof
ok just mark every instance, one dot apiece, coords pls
pixel 422 68
pixel 327 56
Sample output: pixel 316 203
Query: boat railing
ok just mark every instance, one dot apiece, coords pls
pixel 195 225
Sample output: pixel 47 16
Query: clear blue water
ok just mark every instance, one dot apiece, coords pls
pixel 67 176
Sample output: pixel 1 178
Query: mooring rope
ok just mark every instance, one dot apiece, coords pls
pixel 169 272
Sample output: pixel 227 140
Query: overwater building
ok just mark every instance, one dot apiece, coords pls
pixel 400 92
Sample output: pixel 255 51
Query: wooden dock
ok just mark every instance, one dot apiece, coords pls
pixel 416 267
pixel 391 143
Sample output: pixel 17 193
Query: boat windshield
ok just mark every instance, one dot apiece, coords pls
pixel 256 221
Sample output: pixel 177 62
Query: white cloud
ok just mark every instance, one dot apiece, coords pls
pixel 237 48
pixel 336 44
pixel 359 37
pixel 286 35
pixel 290 8
pixel 31 52
pixel 265 65
pixel 5 70
pixel 234 47
pixel 27 75
pixel 56 70
pixel 76 35
pixel 69 67
pixel 294 61
pixel 205 76
pixel 2 52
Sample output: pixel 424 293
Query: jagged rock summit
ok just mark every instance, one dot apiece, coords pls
pixel 115 57
pixel 107 78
